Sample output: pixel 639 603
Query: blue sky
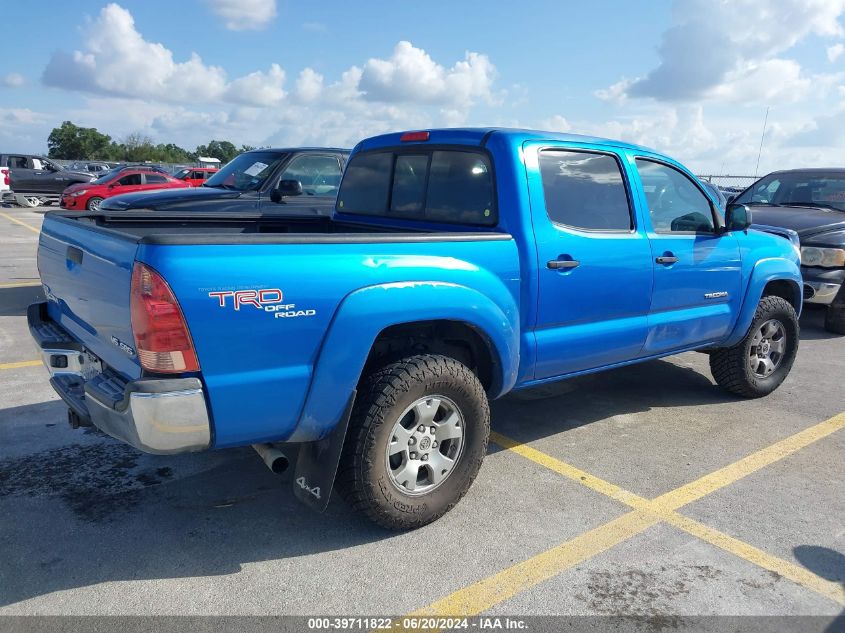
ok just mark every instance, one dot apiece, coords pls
pixel 692 78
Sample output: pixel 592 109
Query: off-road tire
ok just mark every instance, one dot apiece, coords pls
pixel 834 319
pixel 730 366
pixel 363 478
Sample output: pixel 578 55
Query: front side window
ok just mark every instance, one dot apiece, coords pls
pixel 448 186
pixel 675 204
pixel 319 175
pixel 585 190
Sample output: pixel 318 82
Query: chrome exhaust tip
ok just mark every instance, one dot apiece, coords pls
pixel 272 457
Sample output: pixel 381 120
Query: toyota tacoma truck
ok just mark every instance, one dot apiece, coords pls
pixel 458 265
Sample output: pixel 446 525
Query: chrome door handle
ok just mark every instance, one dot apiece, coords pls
pixel 666 259
pixel 557 264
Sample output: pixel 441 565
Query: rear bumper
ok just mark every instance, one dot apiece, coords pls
pixel 155 415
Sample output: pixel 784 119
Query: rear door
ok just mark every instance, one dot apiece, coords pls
pixel 594 260
pixel 22 174
pixel 154 181
pixel 697 274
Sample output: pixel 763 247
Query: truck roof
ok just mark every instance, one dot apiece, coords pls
pixel 288 150
pixel 479 136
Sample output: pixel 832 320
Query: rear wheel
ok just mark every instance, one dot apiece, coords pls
pixel 758 364
pixel 94 204
pixel 416 440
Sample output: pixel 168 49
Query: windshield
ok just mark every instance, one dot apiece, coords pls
pixel 247 172
pixel 105 178
pixel 811 189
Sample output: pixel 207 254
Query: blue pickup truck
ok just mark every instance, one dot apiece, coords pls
pixel 458 265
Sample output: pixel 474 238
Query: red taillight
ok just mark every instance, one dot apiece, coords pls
pixel 409 137
pixel 161 335
pixel 5 174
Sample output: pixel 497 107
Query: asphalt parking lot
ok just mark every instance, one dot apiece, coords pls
pixel 645 491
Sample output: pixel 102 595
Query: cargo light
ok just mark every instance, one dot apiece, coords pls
pixel 409 137
pixel 5 173
pixel 161 335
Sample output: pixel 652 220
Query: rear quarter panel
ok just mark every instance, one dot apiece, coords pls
pixel 258 367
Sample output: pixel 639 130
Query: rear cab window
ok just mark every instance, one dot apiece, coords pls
pixel 449 186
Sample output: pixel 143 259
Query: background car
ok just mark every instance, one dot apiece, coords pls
pixel 195 176
pixel 716 193
pixel 97 169
pixel 122 180
pixel 35 180
pixel 812 203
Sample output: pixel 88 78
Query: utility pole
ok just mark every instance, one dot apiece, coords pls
pixel 765 121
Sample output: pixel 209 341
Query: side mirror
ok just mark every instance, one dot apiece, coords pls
pixel 737 217
pixel 286 188
pixel 113 185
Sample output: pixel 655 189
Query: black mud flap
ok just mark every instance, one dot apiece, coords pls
pixel 316 465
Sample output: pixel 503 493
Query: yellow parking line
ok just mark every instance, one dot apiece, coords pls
pixel 18 365
pixel 20 284
pixel 793 572
pixel 567 470
pixel 23 224
pixel 486 593
pixel 491 591
pixel 729 474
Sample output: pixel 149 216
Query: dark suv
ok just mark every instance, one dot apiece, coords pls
pixel 812 203
pixel 36 180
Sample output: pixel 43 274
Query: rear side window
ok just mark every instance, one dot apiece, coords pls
pixel 449 186
pixel 585 190
pixel 154 178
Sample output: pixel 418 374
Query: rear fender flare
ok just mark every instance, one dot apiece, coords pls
pixel 363 314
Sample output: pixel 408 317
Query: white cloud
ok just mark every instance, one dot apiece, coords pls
pixel 835 52
pixel 13 80
pixel 701 59
pixel 411 75
pixel 258 88
pixel 557 123
pixel 242 15
pixel 309 85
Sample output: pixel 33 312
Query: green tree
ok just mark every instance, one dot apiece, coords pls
pixel 69 141
pixel 222 150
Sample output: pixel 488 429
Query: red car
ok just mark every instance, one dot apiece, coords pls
pixel 89 195
pixel 195 176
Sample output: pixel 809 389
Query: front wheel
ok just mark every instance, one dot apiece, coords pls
pixel 758 364
pixel 834 320
pixel 94 204
pixel 416 440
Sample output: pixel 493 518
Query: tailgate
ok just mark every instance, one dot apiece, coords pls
pixel 87 274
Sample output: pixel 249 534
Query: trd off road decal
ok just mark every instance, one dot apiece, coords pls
pixel 269 300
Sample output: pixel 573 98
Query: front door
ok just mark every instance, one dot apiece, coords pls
pixel 697 274
pixel 594 262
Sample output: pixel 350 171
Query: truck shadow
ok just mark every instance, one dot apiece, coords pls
pixel 830 565
pixel 14 301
